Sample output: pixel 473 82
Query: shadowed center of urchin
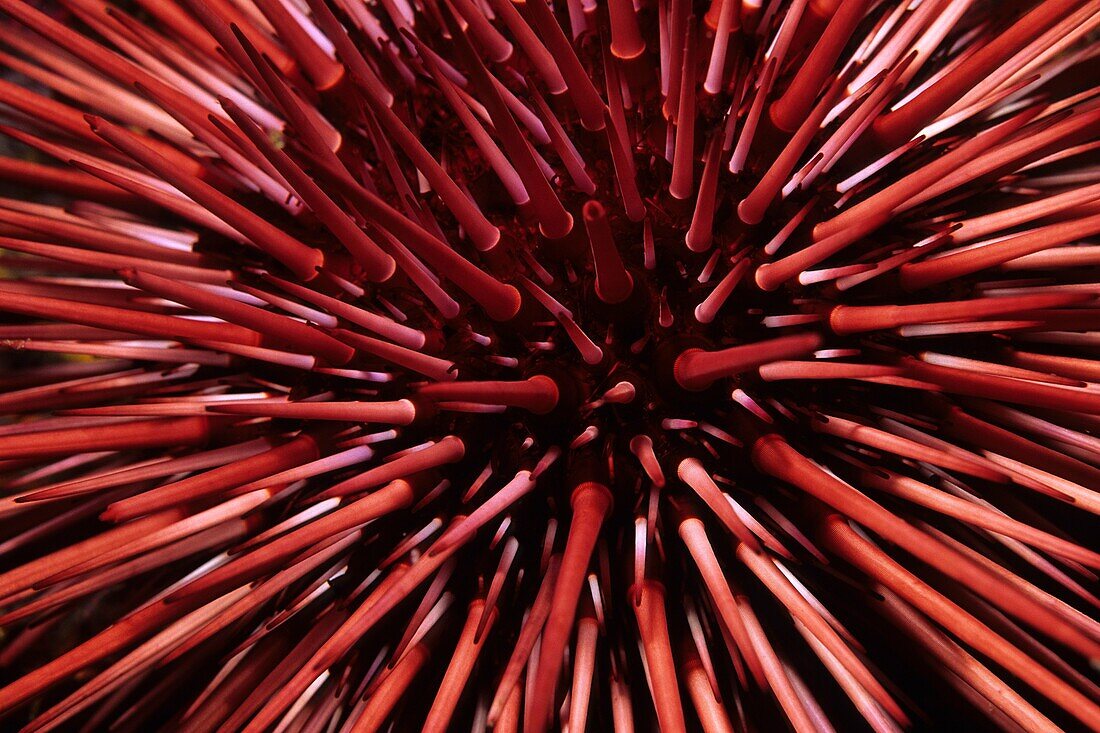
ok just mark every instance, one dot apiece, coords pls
pixel 603 326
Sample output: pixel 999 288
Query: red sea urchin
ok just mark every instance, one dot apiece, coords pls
pixel 468 364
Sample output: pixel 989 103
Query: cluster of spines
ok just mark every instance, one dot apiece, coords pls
pixel 461 335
